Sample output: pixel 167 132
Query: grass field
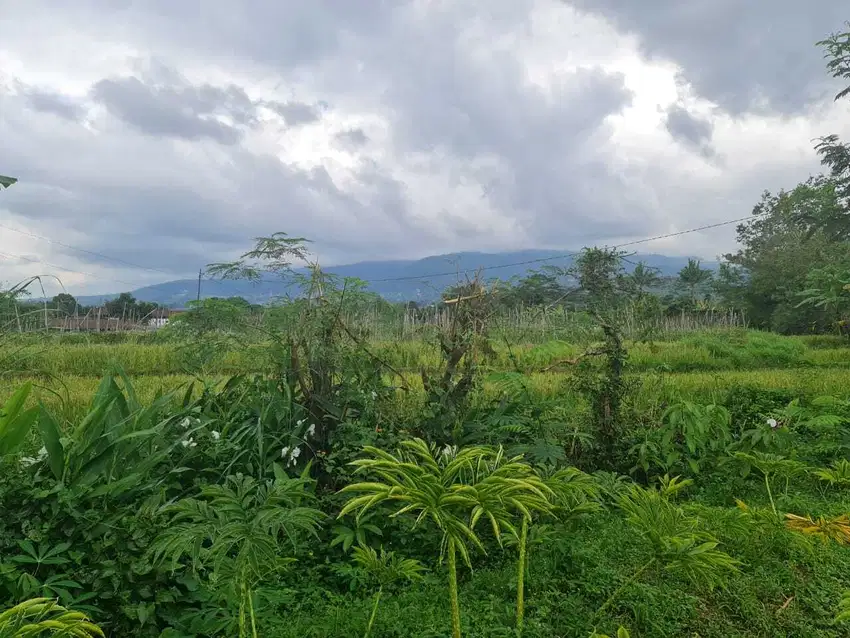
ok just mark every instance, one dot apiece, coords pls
pixel 699 366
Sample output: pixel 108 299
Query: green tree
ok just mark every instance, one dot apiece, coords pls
pixel 64 303
pixel 643 278
pixel 834 154
pixel 602 279
pixel 121 306
pixel 778 248
pixel 6 182
pixel 829 289
pixel 694 278
pixel 538 288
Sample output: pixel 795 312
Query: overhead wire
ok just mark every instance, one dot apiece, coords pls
pixel 423 277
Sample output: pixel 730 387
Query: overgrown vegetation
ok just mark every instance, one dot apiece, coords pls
pixel 285 472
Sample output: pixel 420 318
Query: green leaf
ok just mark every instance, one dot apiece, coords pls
pixel 15 423
pixel 50 436
pixel 13 431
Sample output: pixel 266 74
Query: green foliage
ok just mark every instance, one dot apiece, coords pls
pixel 44 617
pixel 675 539
pixel 690 436
pixel 235 533
pixel 15 421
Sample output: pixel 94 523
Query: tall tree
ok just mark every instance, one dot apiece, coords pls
pixel 644 277
pixel 64 303
pixel 834 154
pixel 694 278
pixel 601 278
pixel 6 182
pixel 778 247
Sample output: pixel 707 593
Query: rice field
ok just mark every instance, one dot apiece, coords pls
pixel 699 365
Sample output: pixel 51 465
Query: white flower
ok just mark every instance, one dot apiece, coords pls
pixel 293 455
pixel 26 461
pixel 216 435
pixel 311 430
pixel 299 422
pixel 284 452
pixel 190 442
pixel 185 423
pixel 773 423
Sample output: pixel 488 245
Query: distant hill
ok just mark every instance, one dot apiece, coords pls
pixel 402 280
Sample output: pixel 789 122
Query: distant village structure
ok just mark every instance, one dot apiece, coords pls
pixel 97 320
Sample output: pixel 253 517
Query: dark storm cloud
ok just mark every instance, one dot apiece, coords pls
pixel 690 129
pixel 55 103
pixel 161 112
pixel 163 103
pixel 744 55
pixel 545 138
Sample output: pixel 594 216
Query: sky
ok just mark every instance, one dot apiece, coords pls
pixel 169 134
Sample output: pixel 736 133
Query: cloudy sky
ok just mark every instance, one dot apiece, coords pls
pixel 168 134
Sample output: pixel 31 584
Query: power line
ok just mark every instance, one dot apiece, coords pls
pixel 78 272
pixel 98 254
pixel 83 250
pixel 561 256
pixel 370 281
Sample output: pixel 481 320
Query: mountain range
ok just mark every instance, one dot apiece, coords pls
pixel 400 280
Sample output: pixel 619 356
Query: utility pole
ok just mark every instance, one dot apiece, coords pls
pixel 200 273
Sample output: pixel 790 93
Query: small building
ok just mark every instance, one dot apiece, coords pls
pixel 160 317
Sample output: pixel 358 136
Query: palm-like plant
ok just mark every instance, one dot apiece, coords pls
pixel 644 277
pixel 384 569
pixel 453 489
pixel 693 276
pixel 44 616
pixel 237 531
pixel 675 540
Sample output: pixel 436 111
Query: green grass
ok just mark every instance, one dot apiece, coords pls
pixel 710 351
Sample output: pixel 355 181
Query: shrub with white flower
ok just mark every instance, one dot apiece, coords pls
pixel 773 423
pixel 216 435
pixel 311 430
pixel 290 455
pixel 188 443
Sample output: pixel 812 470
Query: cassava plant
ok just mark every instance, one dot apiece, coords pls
pixel 384 569
pixel 322 361
pixel 237 533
